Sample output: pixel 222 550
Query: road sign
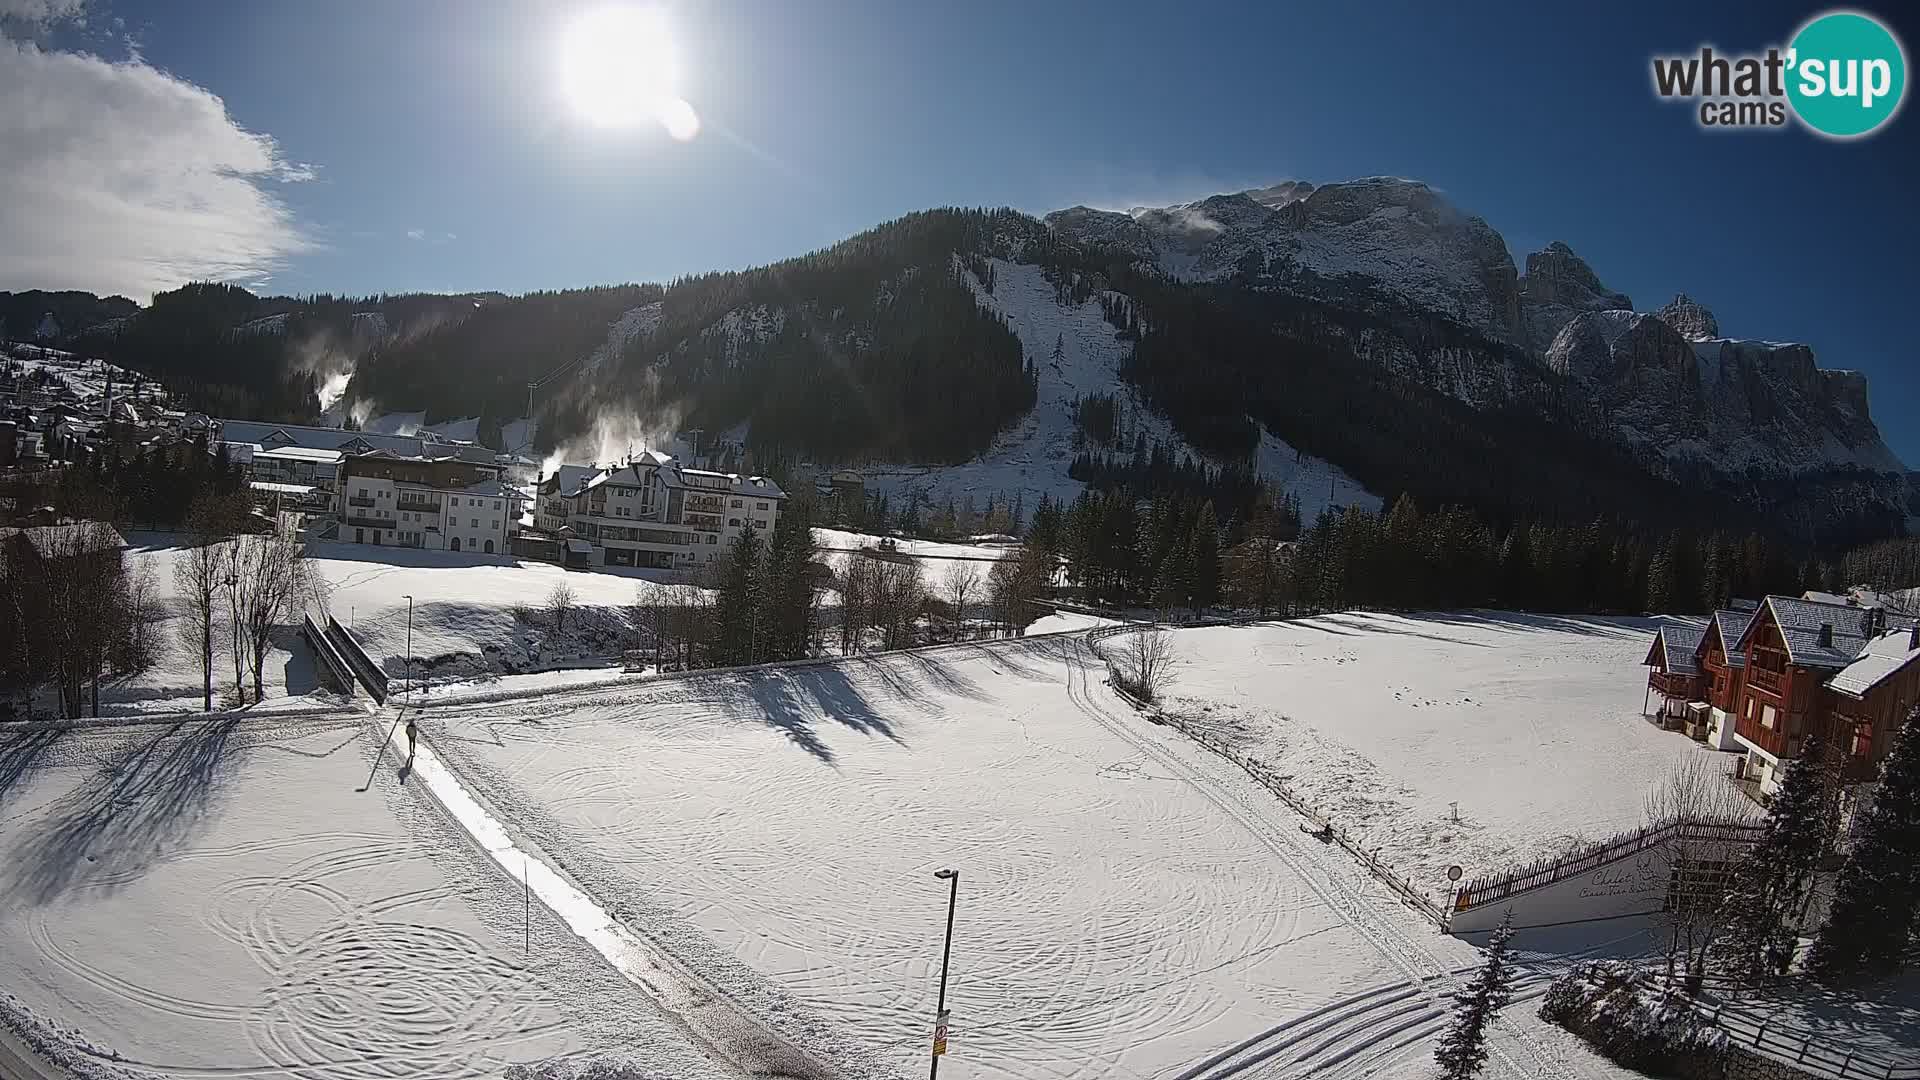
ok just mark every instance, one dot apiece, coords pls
pixel 1454 873
pixel 940 1034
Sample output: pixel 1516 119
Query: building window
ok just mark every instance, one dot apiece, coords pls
pixel 736 504
pixel 711 539
pixel 496 504
pixel 454 544
pixel 759 506
pixel 760 523
pixel 1767 716
pixel 473 523
pixel 495 527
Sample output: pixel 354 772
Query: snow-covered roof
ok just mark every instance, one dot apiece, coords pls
pixel 1731 625
pixel 576 479
pixel 295 453
pixel 1884 655
pixel 1823 635
pixel 280 489
pixel 272 436
pixel 54 541
pixel 1673 647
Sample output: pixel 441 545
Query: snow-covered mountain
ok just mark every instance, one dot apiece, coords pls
pixel 1690 401
pixel 1734 404
pixel 1398 235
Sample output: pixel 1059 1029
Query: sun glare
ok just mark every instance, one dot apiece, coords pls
pixel 619 69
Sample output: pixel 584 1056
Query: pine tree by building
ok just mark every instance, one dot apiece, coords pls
pixel 1764 905
pixel 1870 925
pixel 1463 1049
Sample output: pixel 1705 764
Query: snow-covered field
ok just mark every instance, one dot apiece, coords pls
pixel 1129 905
pixel 215 899
pixel 939 562
pixel 1530 723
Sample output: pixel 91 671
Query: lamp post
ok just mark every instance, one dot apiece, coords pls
pixel 952 878
pixel 409 690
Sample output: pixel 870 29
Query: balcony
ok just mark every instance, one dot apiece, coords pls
pixel 371 522
pixel 418 506
pixel 705 504
pixel 1762 679
pixel 1682 687
pixel 359 500
pixel 702 522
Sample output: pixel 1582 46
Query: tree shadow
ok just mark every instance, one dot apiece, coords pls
pixel 794 700
pixel 1514 622
pixel 21 753
pixel 133 811
pixel 1377 626
pixel 299 671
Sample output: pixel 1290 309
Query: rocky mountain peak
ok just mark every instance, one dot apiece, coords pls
pixel 1284 193
pixel 1557 286
pixel 1684 314
pixel 1728 405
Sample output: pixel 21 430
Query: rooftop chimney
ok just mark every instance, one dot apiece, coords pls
pixel 1826 635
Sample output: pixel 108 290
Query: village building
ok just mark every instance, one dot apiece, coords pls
pixel 1761 681
pixel 415 491
pixel 654 512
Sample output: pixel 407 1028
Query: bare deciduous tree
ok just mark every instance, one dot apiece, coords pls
pixel 1698 867
pixel 900 597
pixel 199 575
pixel 559 602
pixel 273 583
pixel 1144 664
pixel 961 586
pixel 1015 586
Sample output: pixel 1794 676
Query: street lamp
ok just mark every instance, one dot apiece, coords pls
pixel 952 878
pixel 409 690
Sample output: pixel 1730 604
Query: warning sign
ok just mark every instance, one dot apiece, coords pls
pixel 940 1035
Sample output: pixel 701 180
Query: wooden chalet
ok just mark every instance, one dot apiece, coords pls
pixel 1761 681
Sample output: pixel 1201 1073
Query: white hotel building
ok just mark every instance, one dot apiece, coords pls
pixel 388 490
pixel 653 512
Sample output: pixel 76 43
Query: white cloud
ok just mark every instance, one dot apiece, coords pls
pixel 39 13
pixel 416 234
pixel 122 178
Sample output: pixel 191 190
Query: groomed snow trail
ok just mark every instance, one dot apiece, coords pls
pixel 705 1010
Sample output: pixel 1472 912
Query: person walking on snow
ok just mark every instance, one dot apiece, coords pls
pixel 413 736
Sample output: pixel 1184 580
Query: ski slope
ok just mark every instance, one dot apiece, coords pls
pixel 214 899
pixel 1031 459
pixel 1127 908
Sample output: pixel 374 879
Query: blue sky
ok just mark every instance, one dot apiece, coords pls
pixel 446 120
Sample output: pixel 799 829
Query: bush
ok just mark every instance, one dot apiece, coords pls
pixel 1619 1011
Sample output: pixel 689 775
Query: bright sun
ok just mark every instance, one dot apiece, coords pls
pixel 619 70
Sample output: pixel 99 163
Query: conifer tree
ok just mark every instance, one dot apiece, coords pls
pixel 1773 881
pixel 1870 925
pixel 1205 548
pixel 1463 1049
pixel 738 606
